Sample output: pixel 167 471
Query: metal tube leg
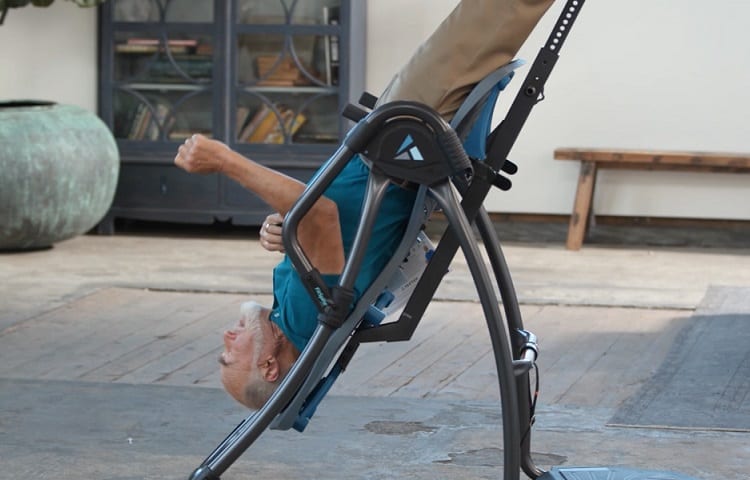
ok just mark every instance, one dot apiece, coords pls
pixel 515 323
pixel 498 334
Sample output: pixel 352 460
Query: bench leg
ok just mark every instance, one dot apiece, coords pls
pixel 582 206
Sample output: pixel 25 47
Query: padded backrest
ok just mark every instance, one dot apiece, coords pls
pixel 473 120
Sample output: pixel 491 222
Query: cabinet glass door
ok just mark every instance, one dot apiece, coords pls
pixel 163 72
pixel 287 71
pixel 297 12
pixel 163 10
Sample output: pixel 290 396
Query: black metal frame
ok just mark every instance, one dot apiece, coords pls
pixel 514 349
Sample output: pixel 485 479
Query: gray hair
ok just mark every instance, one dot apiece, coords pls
pixel 257 390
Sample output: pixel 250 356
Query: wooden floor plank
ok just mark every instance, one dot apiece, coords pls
pixel 38 345
pixel 159 370
pixel 577 353
pixel 474 381
pixel 161 363
pixel 197 316
pixel 578 339
pixel 122 331
pixel 372 359
pixel 194 361
pixel 631 360
pixel 145 357
pixel 202 371
pixel 452 363
pixel 60 322
pixel 173 338
pixel 452 318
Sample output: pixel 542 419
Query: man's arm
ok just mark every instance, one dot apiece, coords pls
pixel 319 230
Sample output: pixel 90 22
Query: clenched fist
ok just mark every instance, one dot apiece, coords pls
pixel 200 154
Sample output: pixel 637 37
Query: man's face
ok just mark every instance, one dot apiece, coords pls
pixel 238 358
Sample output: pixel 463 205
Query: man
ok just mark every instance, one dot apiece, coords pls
pixel 477 37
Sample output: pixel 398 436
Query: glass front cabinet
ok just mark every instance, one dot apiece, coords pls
pixel 267 77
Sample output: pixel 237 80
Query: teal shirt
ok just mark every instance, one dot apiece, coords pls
pixel 293 309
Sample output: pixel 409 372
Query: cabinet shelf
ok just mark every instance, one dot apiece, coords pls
pixel 183 87
pixel 288 90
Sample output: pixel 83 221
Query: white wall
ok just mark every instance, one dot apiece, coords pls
pixel 49 54
pixel 660 74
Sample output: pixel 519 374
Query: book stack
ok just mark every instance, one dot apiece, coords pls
pixel 147 121
pixel 269 125
pixel 153 45
pixel 279 72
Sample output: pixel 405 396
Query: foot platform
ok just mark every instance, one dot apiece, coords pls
pixel 607 473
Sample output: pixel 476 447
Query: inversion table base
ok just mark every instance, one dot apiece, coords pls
pixel 606 473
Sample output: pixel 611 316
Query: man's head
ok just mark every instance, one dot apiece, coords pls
pixel 256 357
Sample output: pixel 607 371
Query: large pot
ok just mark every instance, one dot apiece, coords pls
pixel 58 173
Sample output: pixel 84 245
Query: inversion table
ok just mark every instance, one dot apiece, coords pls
pixel 411 145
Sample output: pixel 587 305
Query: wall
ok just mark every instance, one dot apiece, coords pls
pixel 654 74
pixel 634 74
pixel 49 54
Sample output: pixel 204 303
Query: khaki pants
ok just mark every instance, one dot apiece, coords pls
pixel 477 37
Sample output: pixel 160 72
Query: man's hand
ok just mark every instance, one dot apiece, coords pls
pixel 270 233
pixel 200 154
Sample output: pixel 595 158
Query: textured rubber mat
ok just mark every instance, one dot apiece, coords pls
pixel 704 383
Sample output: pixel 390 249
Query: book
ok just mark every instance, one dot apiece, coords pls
pixel 153 45
pixel 317 137
pixel 195 67
pixel 187 42
pixel 331 47
pixel 253 123
pixel 280 72
pixel 125 109
pixel 149 121
pixel 265 126
pixel 290 124
pixel 178 135
pixel 140 120
pixel 162 121
pixel 139 48
pixel 242 117
pixel 204 49
pixel 134 119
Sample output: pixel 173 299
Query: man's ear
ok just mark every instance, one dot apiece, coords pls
pixel 269 369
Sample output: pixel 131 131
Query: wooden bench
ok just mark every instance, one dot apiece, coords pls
pixel 594 159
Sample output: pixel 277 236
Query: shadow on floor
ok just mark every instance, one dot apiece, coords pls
pixel 734 235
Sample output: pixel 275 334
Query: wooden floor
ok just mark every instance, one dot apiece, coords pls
pixel 174 338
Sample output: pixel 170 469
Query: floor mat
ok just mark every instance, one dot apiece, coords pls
pixel 704 383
